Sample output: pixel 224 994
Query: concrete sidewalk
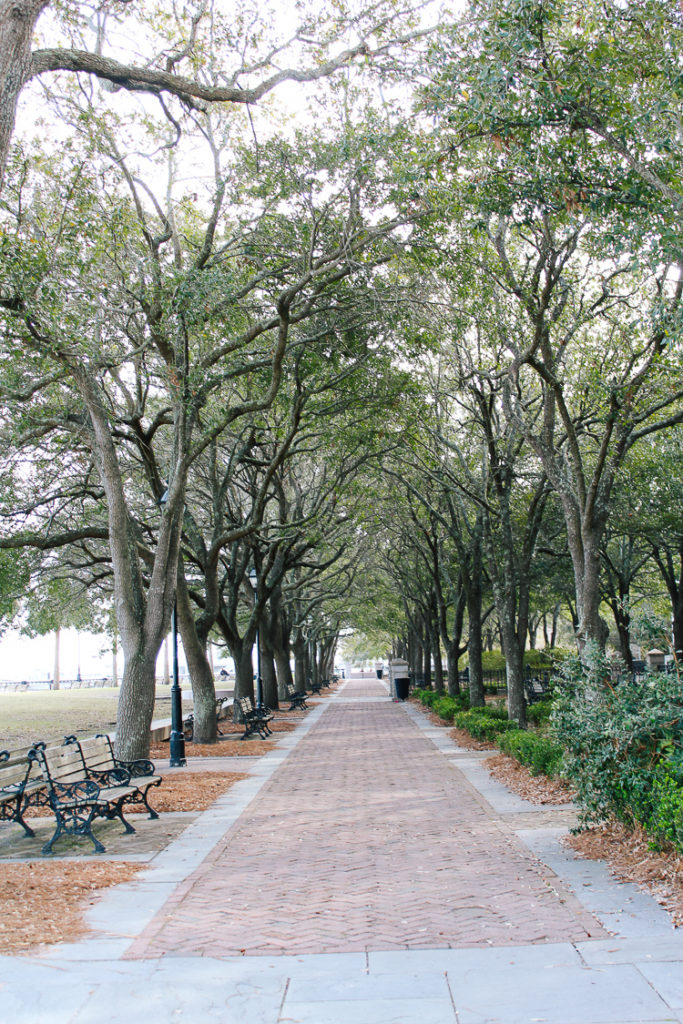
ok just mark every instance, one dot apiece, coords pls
pixel 369 871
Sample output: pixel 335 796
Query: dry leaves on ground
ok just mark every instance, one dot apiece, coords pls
pixel 631 859
pixel 224 748
pixel 227 728
pixel 192 792
pixel 463 739
pixel 538 789
pixel 44 902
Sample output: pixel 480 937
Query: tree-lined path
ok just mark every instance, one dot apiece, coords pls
pixel 366 872
pixel 366 838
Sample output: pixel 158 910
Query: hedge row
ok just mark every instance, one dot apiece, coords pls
pixel 491 724
pixel 540 754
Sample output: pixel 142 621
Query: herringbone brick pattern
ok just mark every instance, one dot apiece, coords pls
pixel 366 838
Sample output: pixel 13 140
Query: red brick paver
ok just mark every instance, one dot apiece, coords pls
pixel 366 838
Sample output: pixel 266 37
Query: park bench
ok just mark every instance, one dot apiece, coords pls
pixel 188 724
pixel 21 786
pixel 535 689
pixel 255 720
pixel 296 699
pixel 101 765
pixel 316 688
pixel 85 781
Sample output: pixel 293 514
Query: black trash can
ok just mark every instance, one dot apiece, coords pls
pixel 402 688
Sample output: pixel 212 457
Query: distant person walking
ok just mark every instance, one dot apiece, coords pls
pixel 379 669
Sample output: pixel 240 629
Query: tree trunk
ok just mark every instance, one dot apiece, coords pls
pixel 427 663
pixel 268 676
pixel 281 652
pixel 671 569
pixel 556 620
pixel 17 24
pixel 415 656
pixel 314 673
pixel 475 642
pixel 592 627
pixel 299 661
pixel 453 644
pixel 136 703
pixel 534 623
pixel 452 659
pixel 201 676
pixel 438 667
pixel 514 666
pixel 241 654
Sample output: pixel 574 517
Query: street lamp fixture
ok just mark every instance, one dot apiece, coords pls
pixel 253 580
pixel 177 739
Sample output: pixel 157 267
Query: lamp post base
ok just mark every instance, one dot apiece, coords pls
pixel 177 750
pixel 177 740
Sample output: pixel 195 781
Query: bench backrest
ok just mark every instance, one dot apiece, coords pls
pixel 62 764
pixel 290 690
pixel 15 770
pixel 97 753
pixel 246 707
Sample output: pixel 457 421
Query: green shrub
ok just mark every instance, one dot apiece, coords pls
pixel 446 707
pixel 539 713
pixel 481 724
pixel 426 697
pixel 664 820
pixel 619 740
pixel 538 753
pixel 498 711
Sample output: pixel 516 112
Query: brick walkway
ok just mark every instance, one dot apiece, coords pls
pixel 366 838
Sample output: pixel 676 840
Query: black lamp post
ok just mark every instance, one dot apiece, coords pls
pixel 253 579
pixel 177 739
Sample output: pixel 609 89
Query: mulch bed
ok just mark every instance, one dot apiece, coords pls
pixel 538 789
pixel 43 903
pixel 631 859
pixel 193 792
pixel 463 739
pixel 224 748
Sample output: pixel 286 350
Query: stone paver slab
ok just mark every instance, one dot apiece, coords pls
pixel 517 995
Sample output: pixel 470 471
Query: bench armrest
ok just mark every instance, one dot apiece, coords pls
pixel 137 769
pixel 110 776
pixel 86 790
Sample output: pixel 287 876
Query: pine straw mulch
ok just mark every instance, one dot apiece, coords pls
pixel 537 789
pixel 631 859
pixel 277 725
pixel 43 903
pixel 463 739
pixel 224 748
pixel 193 792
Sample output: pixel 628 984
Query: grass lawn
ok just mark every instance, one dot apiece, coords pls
pixel 36 715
